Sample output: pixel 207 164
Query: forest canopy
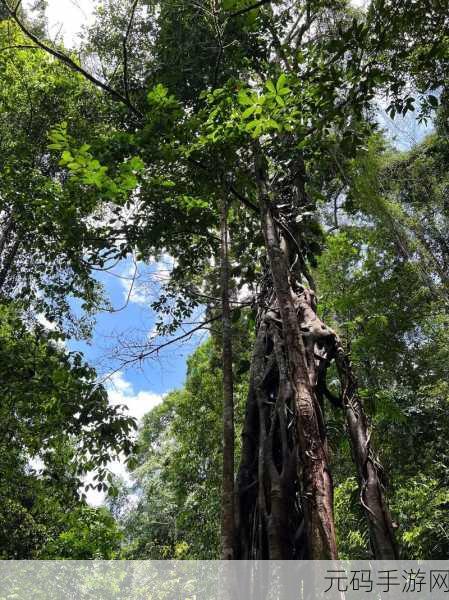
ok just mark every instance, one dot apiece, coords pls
pixel 242 145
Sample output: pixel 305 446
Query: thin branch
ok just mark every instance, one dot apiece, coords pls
pixel 70 62
pixel 17 7
pixel 277 44
pixel 19 47
pixel 243 200
pixel 232 189
pixel 336 224
pixel 218 60
pixel 125 51
pixel 305 27
pixel 242 11
pixel 214 299
pixel 130 291
pixel 156 349
pixel 293 29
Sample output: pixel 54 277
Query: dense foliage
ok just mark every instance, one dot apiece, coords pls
pixel 257 124
pixel 381 301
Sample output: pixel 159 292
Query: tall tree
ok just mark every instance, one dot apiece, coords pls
pixel 305 92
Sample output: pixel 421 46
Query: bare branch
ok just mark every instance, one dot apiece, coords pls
pixel 155 349
pixel 128 296
pixel 125 51
pixel 243 200
pixel 17 7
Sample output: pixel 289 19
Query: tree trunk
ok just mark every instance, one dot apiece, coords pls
pixel 368 468
pixel 8 263
pixel 296 375
pixel 227 521
pixel 284 488
pixel 328 347
pixel 5 234
pixel 269 506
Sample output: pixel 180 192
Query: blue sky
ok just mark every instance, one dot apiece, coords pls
pixel 139 387
pixel 132 319
pixel 157 376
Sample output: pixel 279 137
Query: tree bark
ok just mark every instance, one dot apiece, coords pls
pixel 4 236
pixel 284 488
pixel 368 468
pixel 269 508
pixel 8 262
pixel 317 489
pixel 227 519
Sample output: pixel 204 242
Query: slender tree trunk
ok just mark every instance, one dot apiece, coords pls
pixel 227 522
pixel 4 235
pixel 368 468
pixel 8 262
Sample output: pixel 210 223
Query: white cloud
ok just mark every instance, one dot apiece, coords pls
pixel 141 282
pixel 133 287
pixel 67 17
pixel 42 319
pixel 96 498
pixel 121 391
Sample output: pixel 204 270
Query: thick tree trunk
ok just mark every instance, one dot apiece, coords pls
pixel 227 521
pixel 269 510
pixel 284 488
pixel 317 490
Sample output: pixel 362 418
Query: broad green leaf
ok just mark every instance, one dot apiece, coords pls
pixel 281 82
pixel 248 112
pixel 243 98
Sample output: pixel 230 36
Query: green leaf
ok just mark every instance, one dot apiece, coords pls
pixel 136 163
pixel 280 100
pixel 248 112
pixel 270 86
pixel 243 98
pixel 251 125
pixel 272 124
pixel 66 157
pixel 281 82
pixel 432 100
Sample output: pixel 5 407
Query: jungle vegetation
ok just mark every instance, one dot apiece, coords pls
pixel 242 139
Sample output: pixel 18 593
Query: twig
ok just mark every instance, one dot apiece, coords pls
pixel 19 46
pixel 157 349
pixel 125 51
pixel 17 7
